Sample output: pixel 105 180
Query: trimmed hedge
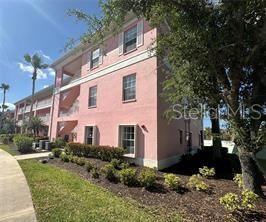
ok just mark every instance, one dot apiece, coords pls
pixel 106 153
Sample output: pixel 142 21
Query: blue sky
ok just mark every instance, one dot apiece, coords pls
pixel 28 26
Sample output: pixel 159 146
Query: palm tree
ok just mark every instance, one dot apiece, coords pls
pixel 5 88
pixel 37 64
pixel 36 124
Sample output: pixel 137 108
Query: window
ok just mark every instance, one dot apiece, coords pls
pixel 129 87
pixel 89 135
pixel 180 136
pixel 130 39
pixel 95 58
pixel 92 96
pixel 128 138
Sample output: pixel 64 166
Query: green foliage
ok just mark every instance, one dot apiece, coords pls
pixel 207 172
pixel 249 199
pixel 172 181
pixel 124 165
pixel 24 143
pixel 147 178
pixel 35 124
pixel 238 179
pixel 64 157
pixel 89 166
pixel 233 202
pixel 195 182
pixel 106 153
pixel 95 173
pixel 59 142
pixel 56 152
pixel 81 161
pixel 109 172
pixel 51 156
pixel 116 163
pixel 128 176
pixel 230 201
pixel 4 138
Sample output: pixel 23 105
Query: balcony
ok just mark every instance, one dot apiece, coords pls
pixel 44 103
pixel 45 119
pixel 72 111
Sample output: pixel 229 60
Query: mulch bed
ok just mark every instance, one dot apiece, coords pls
pixel 192 205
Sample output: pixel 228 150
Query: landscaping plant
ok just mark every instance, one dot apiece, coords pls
pixel 207 172
pixel 195 182
pixel 243 203
pixel 59 142
pixel 64 157
pixel 95 173
pixel 88 166
pixel 56 152
pixel 238 179
pixel 128 176
pixel 109 172
pixel 4 138
pixel 172 181
pixel 23 143
pixel 116 163
pixel 147 178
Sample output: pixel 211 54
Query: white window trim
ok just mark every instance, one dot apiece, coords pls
pixel 123 95
pixel 130 155
pixel 90 106
pixel 94 133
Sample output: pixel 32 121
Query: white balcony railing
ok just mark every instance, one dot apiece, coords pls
pixel 39 105
pixel 44 103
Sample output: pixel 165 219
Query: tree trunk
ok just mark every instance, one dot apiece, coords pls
pixel 32 96
pixel 215 127
pixel 3 109
pixel 252 176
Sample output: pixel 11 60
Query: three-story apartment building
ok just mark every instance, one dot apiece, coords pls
pixel 113 97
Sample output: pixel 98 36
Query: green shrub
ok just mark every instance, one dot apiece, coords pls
pixel 59 142
pixel 64 157
pixel 249 199
pixel 124 165
pixel 24 143
pixel 147 178
pixel 80 161
pixel 238 179
pixel 109 172
pixel 95 173
pixel 38 138
pixel 116 163
pixel 106 153
pixel 128 176
pixel 51 156
pixel 195 182
pixel 88 166
pixel 172 181
pixel 4 138
pixel 207 172
pixel 56 152
pixel 230 201
pixel 245 202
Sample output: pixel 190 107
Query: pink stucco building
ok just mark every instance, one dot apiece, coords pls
pixel 110 94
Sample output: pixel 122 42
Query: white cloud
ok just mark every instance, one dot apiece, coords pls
pixel 11 106
pixel 45 86
pixel 51 72
pixel 41 53
pixel 29 69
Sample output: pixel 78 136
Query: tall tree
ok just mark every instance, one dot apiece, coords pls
pixel 5 88
pixel 210 43
pixel 37 64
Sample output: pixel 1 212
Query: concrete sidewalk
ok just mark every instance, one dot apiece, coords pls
pixel 15 197
pixel 31 156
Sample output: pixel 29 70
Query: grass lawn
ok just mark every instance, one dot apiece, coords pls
pixel 59 195
pixel 7 149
